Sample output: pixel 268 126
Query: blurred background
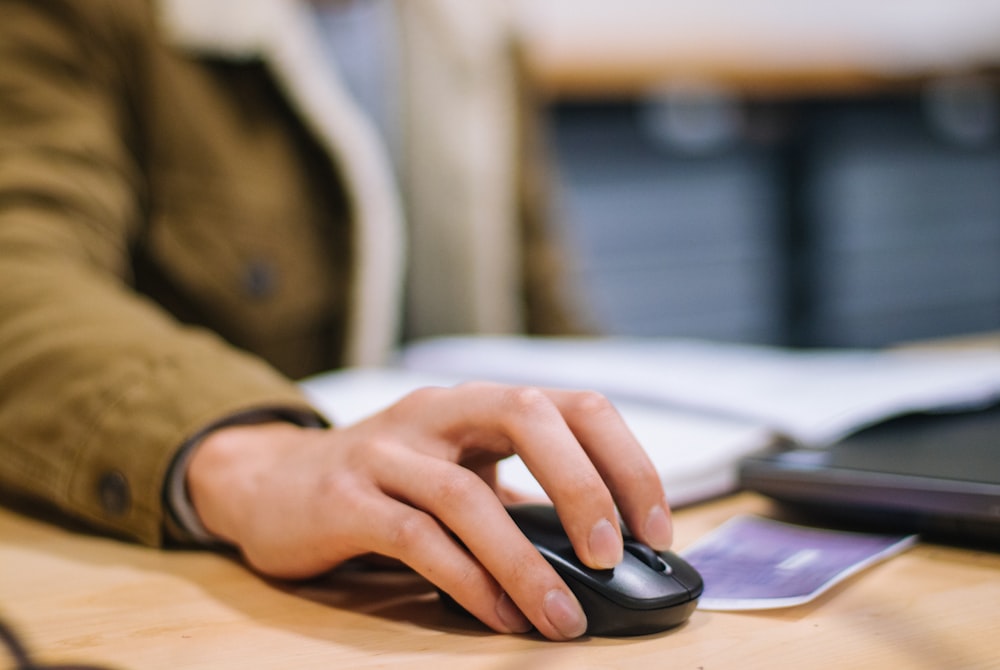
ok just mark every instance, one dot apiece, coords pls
pixel 777 171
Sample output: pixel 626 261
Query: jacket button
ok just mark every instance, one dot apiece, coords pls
pixel 116 498
pixel 260 280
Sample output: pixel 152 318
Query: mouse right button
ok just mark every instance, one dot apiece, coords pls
pixel 685 574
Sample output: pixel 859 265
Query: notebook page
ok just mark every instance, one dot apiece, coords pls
pixel 695 454
pixel 815 397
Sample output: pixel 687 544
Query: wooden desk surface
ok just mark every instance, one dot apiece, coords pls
pixel 79 598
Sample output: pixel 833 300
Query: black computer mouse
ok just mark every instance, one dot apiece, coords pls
pixel 647 592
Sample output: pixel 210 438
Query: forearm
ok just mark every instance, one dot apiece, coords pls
pixel 91 423
pixel 100 386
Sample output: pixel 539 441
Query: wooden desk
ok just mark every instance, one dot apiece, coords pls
pixel 86 599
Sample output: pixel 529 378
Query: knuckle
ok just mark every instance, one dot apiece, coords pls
pixel 470 387
pixel 332 486
pixel 408 533
pixel 377 449
pixel 419 398
pixel 458 488
pixel 590 403
pixel 528 400
pixel 378 445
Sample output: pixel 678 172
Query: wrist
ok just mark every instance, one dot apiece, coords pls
pixel 224 473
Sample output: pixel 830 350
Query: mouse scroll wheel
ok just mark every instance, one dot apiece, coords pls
pixel 647 556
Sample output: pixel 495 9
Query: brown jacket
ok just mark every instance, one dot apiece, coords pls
pixel 179 238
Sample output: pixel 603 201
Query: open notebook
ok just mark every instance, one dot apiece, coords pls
pixel 698 407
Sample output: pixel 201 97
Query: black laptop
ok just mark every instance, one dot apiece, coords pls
pixel 934 474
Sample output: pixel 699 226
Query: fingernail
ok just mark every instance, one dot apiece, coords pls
pixel 564 613
pixel 511 616
pixel 605 545
pixel 659 532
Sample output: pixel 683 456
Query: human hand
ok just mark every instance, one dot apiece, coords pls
pixel 417 482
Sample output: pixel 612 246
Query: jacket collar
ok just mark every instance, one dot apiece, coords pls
pixel 282 33
pixel 231 28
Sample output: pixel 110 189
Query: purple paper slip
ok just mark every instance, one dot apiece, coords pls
pixel 754 563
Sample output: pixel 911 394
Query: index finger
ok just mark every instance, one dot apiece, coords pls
pixel 535 425
pixel 485 422
pixel 622 463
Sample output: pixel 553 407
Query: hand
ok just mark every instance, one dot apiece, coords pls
pixel 408 481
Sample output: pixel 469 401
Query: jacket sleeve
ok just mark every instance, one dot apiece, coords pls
pixel 98 386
